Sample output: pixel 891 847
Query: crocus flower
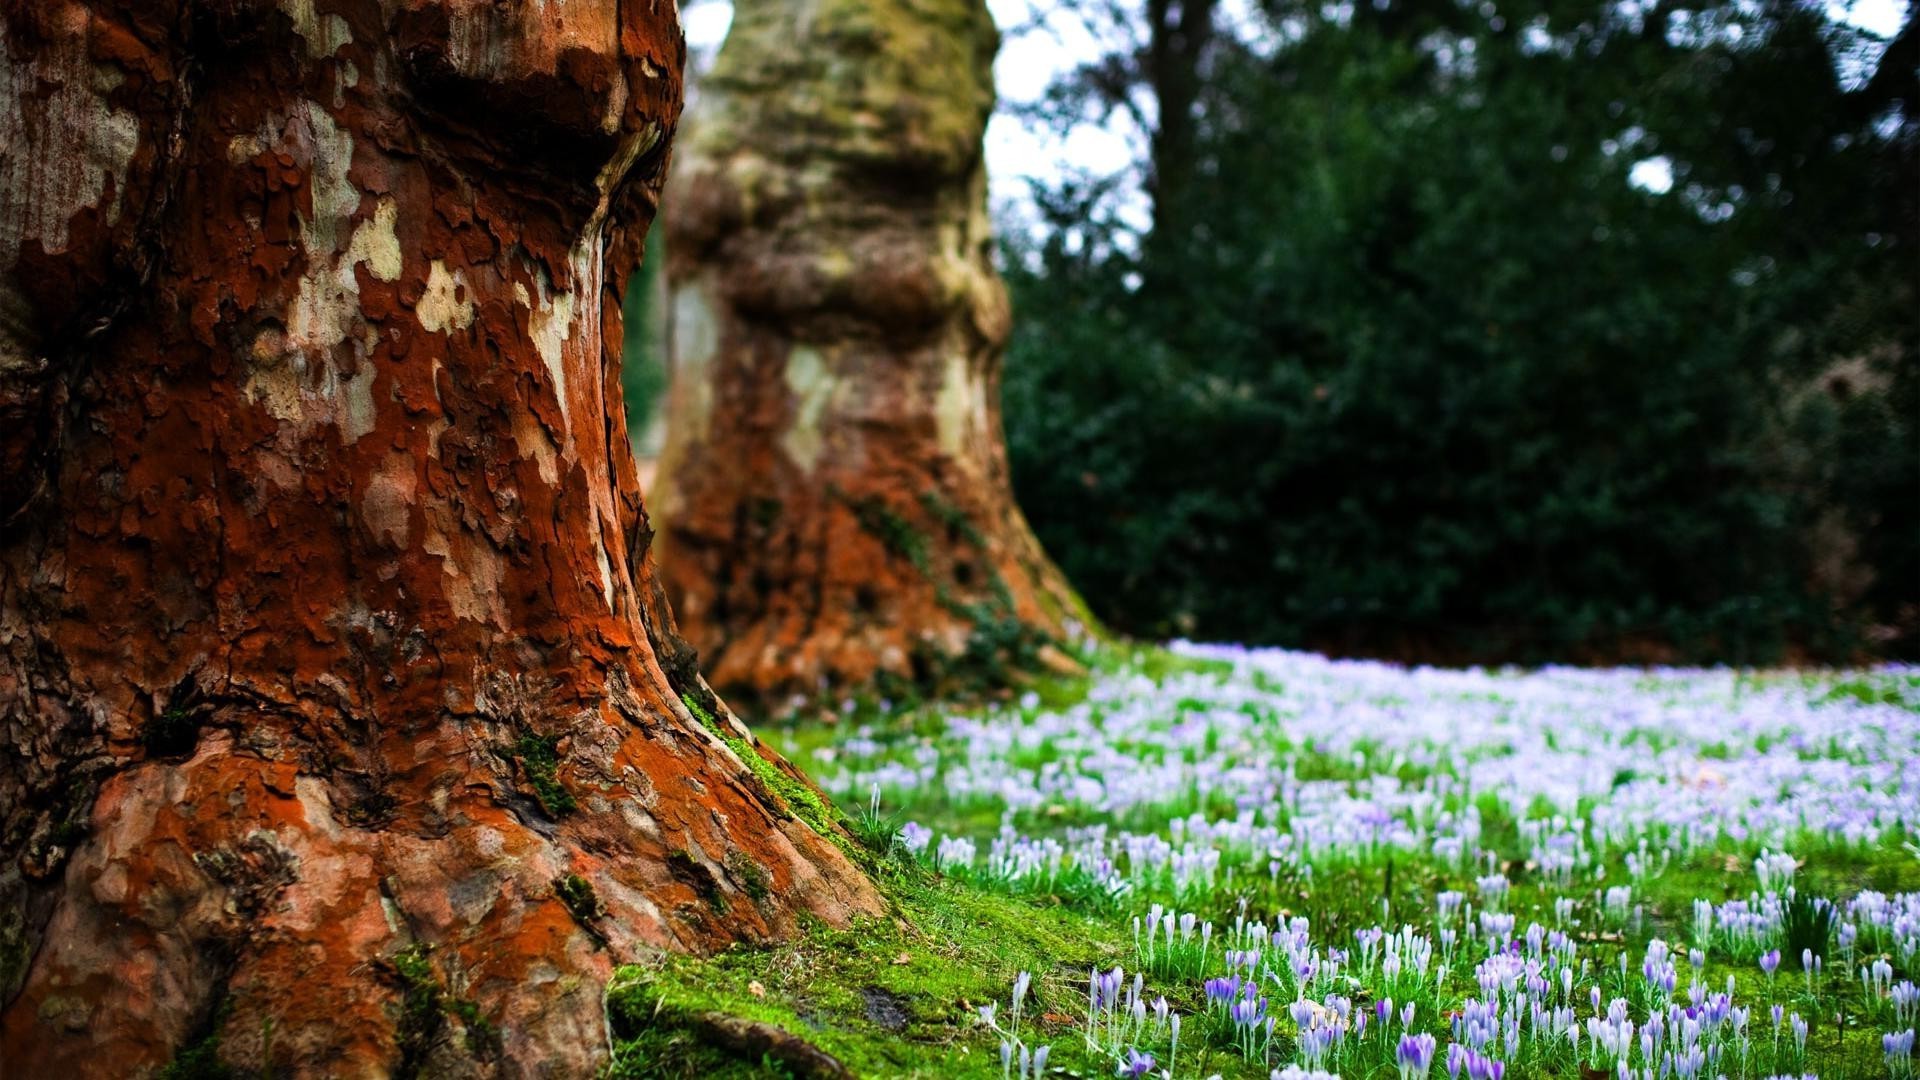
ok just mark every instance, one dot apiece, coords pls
pixel 1414 1055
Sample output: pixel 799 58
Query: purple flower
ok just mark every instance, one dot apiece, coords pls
pixel 1222 990
pixel 1414 1055
pixel 1770 961
pixel 1136 1064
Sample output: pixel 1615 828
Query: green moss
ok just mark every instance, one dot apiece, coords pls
pixel 800 800
pixel 425 1005
pixel 199 1056
pixel 421 1018
pixel 13 953
pixel 199 1060
pixel 577 895
pixel 539 758
pixel 949 950
pixel 753 877
pixel 483 1039
pixel 885 524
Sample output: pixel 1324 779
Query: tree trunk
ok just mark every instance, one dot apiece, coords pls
pixel 834 493
pixel 343 727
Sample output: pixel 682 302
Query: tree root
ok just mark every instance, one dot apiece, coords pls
pixel 755 1040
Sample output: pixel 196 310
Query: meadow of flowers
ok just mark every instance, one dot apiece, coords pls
pixel 1353 869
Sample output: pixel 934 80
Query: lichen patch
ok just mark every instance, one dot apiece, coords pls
pixel 811 381
pixel 446 304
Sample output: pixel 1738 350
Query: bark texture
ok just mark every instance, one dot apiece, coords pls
pixel 834 493
pixel 343 726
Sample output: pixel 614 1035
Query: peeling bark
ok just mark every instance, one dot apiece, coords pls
pixel 834 492
pixel 343 725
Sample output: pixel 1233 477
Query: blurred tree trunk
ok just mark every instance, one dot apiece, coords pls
pixel 345 728
pixel 834 495
pixel 1180 34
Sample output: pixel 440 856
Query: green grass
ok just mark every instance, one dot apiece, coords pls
pixel 899 996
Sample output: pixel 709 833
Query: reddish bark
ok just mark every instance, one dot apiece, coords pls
pixel 328 630
pixel 834 495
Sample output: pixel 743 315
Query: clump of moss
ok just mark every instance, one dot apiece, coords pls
pixel 948 949
pixel 425 1005
pixel 885 524
pixel 576 893
pixel 483 1039
pixel 421 1016
pixel 800 800
pixel 199 1060
pixel 539 758
pixel 752 877
pixel 1001 647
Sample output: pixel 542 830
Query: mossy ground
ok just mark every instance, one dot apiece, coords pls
pixel 894 996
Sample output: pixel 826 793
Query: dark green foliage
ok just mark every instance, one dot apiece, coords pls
pixel 1807 928
pixel 1424 373
pixel 540 759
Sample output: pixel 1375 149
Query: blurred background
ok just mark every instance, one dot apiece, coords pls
pixel 1455 332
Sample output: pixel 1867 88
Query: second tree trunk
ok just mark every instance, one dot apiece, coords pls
pixel 834 493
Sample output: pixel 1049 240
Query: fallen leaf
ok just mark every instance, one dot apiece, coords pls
pixel 756 989
pixel 902 959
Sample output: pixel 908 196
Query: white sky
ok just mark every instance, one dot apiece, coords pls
pixel 1028 63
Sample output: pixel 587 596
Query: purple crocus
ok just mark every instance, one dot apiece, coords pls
pixel 1136 1064
pixel 1414 1055
pixel 1222 990
pixel 1770 962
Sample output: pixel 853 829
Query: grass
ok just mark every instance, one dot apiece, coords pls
pixel 1032 794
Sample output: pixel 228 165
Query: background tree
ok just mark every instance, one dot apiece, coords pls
pixel 1529 330
pixel 346 730
pixel 834 492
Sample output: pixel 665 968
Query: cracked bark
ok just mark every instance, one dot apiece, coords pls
pixel 834 493
pixel 329 636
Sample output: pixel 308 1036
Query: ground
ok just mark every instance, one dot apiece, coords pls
pixel 1515 855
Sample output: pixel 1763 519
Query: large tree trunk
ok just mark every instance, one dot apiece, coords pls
pixel 834 495
pixel 341 717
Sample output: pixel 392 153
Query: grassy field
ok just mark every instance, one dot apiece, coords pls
pixel 1211 861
